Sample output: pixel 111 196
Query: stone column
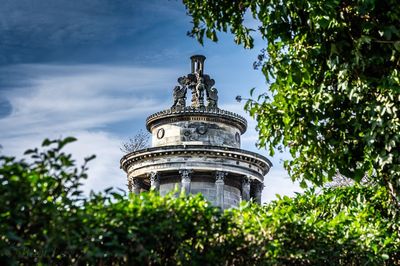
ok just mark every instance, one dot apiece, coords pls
pixel 258 188
pixel 219 185
pixel 129 185
pixel 154 181
pixel 136 186
pixel 186 180
pixel 246 188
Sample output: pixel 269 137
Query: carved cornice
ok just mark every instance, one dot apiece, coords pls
pixel 189 113
pixel 195 151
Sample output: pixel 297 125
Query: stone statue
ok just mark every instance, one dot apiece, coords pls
pixel 180 92
pixel 200 85
pixel 200 88
pixel 184 81
pixel 211 92
pixel 209 81
pixel 212 97
pixel 179 97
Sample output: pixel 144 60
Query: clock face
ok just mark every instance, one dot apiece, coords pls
pixel 160 133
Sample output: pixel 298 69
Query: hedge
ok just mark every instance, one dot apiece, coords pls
pixel 46 219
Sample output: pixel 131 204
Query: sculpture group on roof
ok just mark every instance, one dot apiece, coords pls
pixel 200 85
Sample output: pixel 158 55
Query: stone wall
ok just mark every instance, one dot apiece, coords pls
pixel 232 195
pixel 196 133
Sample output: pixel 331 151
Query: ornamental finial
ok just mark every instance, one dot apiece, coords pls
pixel 198 64
pixel 200 84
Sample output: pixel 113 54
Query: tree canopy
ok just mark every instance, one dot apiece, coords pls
pixel 334 83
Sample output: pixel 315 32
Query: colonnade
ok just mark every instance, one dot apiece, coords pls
pixel 249 188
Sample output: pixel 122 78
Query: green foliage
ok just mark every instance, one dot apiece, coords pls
pixel 39 203
pixel 345 226
pixel 333 73
pixel 45 220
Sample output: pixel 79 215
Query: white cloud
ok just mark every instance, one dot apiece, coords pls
pixel 277 181
pixel 78 100
pixel 68 98
pixel 103 171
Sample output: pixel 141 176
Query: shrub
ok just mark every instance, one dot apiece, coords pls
pixel 44 219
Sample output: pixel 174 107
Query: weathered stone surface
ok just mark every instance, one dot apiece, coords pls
pixel 209 115
pixel 209 191
pixel 196 132
pixel 179 97
pixel 231 197
pixel 136 186
pixel 154 181
pixel 258 188
pixel 199 83
pixel 246 188
pixel 166 188
pixel 200 158
pixel 186 180
pixel 219 185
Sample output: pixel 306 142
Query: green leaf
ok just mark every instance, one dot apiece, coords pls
pixel 397 46
pixel 30 151
pixel 87 159
pixel 65 141
pixel 47 142
pixel 385 256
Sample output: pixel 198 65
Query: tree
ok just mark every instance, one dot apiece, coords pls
pixel 339 180
pixel 333 73
pixel 139 141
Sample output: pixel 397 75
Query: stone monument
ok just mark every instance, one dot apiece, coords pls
pixel 197 148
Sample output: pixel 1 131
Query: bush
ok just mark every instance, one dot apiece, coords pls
pixel 44 219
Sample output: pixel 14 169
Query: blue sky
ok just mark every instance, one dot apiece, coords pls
pixel 95 69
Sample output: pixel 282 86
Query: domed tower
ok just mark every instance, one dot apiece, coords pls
pixel 197 148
